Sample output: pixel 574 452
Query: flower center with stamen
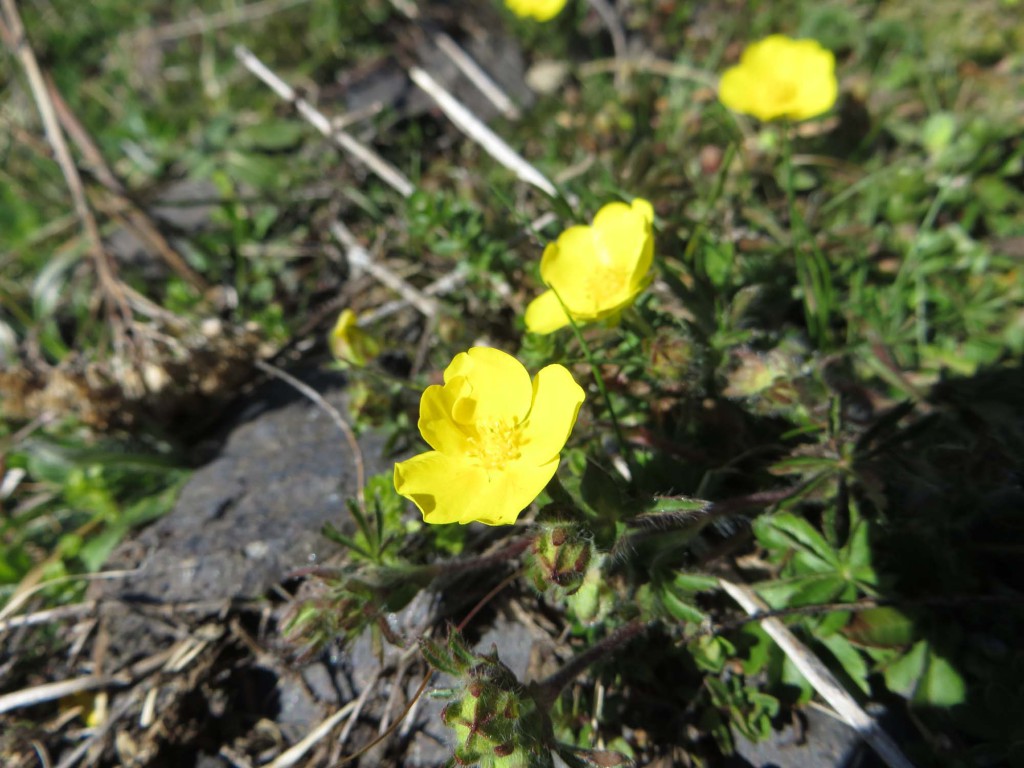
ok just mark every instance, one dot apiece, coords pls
pixel 496 443
pixel 603 285
pixel 782 92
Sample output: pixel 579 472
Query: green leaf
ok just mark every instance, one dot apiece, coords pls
pixel 818 591
pixel 881 627
pixel 940 685
pixel 850 659
pixel 678 608
pixel 272 135
pixel 694 582
pixel 903 674
pixel 788 531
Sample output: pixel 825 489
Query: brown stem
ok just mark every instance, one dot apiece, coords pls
pixel 545 692
pixel 512 549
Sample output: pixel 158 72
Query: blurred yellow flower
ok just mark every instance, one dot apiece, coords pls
pixel 539 10
pixel 779 77
pixel 349 343
pixel 596 270
pixel 496 438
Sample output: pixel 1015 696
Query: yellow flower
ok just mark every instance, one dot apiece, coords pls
pixel 540 10
pixel 781 77
pixel 597 271
pixel 349 343
pixel 496 438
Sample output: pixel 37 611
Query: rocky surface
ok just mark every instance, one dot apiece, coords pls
pixel 255 512
pixel 244 521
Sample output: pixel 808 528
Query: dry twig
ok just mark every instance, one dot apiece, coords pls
pixel 336 417
pixel 464 63
pixel 13 32
pixel 387 172
pixel 475 129
pixel 137 219
pixel 360 258
pixel 819 677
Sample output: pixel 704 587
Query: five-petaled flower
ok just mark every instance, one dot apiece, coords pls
pixel 351 344
pixel 779 77
pixel 496 437
pixel 539 10
pixel 596 271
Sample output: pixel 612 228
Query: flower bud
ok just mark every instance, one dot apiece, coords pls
pixel 558 559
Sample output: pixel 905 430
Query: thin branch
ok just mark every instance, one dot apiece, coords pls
pixel 243 14
pixel 548 689
pixel 463 62
pixel 39 694
pixel 360 258
pixel 659 67
pixel 336 417
pixel 613 23
pixel 818 675
pixel 138 220
pixel 16 39
pixel 387 172
pixel 475 129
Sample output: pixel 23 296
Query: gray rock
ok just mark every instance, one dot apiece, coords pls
pixel 256 511
pixel 823 742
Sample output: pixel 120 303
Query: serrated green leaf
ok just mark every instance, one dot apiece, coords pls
pixel 438 656
pixel 850 659
pixel 881 627
pixel 786 530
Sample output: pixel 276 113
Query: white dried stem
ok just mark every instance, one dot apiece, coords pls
pixel 464 63
pixel 475 129
pixel 454 279
pixel 476 75
pixel 613 23
pixel 817 674
pixel 360 258
pixel 385 170
pixel 13 33
pixel 38 694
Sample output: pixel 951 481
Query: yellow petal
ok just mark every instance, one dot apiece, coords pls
pixel 539 10
pixel 780 77
pixel 436 423
pixel 450 489
pixel 556 403
pixel 496 386
pixel 566 262
pixel 545 314
pixel 349 343
pixel 736 90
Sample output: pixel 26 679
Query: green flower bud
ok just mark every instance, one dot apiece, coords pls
pixel 558 559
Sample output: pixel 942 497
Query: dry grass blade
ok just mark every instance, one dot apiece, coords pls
pixel 360 258
pixel 387 172
pixel 475 129
pixel 335 416
pixel 38 694
pixel 13 33
pixel 138 220
pixel 819 677
pixel 465 63
pixel 243 14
